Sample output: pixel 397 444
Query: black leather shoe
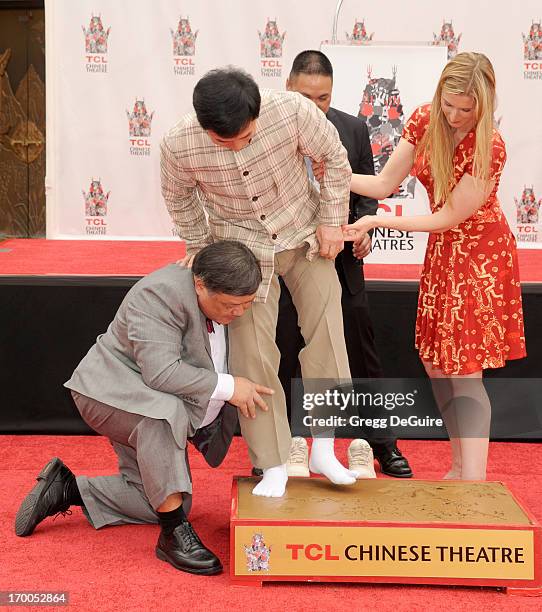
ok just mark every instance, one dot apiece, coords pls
pixel 186 552
pixel 257 472
pixel 394 464
pixel 48 498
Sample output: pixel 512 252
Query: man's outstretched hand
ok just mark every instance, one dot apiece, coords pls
pixel 247 395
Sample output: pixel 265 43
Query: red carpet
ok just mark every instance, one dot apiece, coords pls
pixel 115 568
pixel 137 258
pixel 86 257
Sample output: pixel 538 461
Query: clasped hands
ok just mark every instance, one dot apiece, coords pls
pixel 358 233
pixel 332 239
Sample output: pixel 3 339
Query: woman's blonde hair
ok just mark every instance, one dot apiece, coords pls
pixel 467 74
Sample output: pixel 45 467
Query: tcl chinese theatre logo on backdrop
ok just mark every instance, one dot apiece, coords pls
pixel 527 210
pixel 139 127
pixel 184 48
pixel 447 37
pixel 96 39
pixel 271 42
pixel 359 33
pixel 532 51
pixel 96 202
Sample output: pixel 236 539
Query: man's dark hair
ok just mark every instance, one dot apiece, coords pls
pixel 228 266
pixel 311 62
pixel 226 100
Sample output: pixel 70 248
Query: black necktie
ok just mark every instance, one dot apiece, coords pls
pixel 210 326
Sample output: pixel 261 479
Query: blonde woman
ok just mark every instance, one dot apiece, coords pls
pixel 469 308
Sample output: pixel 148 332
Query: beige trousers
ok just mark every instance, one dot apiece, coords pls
pixel 316 293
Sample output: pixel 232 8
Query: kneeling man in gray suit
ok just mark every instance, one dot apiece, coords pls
pixel 154 381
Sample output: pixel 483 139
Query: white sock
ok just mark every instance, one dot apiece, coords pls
pixel 323 461
pixel 273 483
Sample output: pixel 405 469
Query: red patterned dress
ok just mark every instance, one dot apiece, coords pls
pixel 470 315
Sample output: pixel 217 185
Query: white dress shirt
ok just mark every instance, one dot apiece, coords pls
pixel 225 386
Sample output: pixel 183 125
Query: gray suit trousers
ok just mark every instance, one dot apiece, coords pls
pixel 151 467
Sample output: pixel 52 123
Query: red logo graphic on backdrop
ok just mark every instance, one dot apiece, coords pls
pixel 527 207
pixel 447 36
pixel 527 210
pixel 184 40
pixel 96 38
pixel 271 40
pixel 184 47
pixel 96 199
pixel 258 554
pixel 381 109
pixel 139 126
pixel 271 49
pixel 139 120
pixel 359 33
pixel 95 208
pixel 532 43
pixel 532 51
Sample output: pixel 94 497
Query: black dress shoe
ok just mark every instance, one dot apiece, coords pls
pixel 185 551
pixel 257 472
pixel 394 464
pixel 49 497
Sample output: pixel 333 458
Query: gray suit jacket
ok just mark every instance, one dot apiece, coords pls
pixel 155 357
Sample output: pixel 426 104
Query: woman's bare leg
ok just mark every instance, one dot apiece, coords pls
pixel 473 413
pixel 466 411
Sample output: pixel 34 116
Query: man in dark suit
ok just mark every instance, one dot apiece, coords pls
pixel 157 379
pixel 312 76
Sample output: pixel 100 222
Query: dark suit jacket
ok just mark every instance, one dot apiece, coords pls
pixel 355 138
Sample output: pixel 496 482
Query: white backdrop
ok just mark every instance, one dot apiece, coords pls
pixel 119 74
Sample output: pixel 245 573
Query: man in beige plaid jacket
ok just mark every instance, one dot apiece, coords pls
pixel 235 170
